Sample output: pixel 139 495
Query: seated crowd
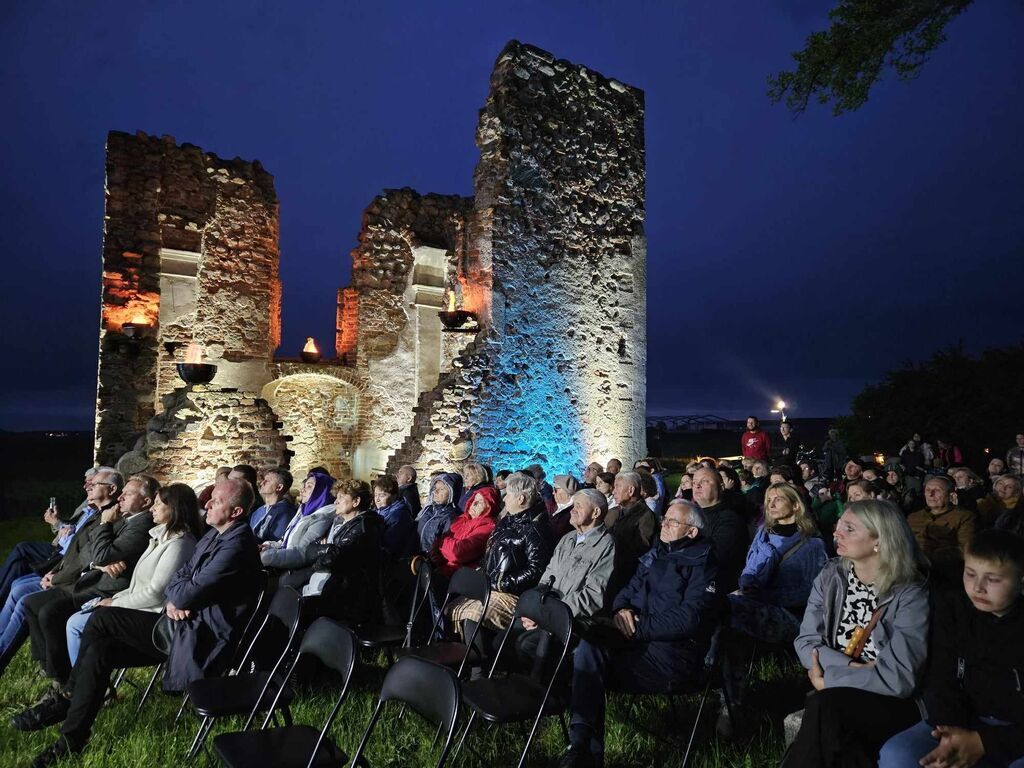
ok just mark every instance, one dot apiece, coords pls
pixel 911 633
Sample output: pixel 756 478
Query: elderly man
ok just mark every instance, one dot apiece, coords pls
pixel 663 621
pixel 39 556
pixel 942 530
pixel 115 545
pixel 208 602
pixel 408 490
pixel 633 526
pixel 726 527
pixel 270 520
pixel 103 492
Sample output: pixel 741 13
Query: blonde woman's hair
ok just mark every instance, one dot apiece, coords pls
pixel 476 470
pixel 899 557
pixel 803 520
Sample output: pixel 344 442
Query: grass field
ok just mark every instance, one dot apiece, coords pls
pixel 151 740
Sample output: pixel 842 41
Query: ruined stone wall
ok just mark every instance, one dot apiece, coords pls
pixel 204 427
pixel 389 304
pixel 558 226
pixel 182 220
pixel 561 178
pixel 320 407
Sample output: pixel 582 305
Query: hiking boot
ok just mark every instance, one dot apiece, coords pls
pixel 50 710
pixel 60 749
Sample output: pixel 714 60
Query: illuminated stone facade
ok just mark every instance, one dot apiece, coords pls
pixel 549 255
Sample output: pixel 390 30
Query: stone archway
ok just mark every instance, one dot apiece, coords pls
pixel 319 416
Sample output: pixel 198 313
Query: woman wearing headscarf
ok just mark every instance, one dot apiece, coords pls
pixel 311 522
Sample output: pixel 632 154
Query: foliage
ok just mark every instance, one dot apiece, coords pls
pixel 842 63
pixel 974 401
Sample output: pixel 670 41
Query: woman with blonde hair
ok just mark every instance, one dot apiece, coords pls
pixel 783 560
pixel 863 640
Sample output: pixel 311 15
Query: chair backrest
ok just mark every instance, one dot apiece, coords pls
pixel 550 615
pixel 471 583
pixel 429 689
pixel 424 573
pixel 252 624
pixel 282 619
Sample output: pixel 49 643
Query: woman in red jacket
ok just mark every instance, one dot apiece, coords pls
pixel 464 543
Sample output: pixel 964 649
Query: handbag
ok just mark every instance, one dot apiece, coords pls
pixel 163 634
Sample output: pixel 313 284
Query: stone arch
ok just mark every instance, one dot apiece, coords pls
pixel 319 416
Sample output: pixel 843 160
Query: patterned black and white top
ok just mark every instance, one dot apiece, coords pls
pixel 858 606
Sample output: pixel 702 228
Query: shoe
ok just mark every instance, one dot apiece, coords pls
pixel 50 710
pixel 734 727
pixel 576 756
pixel 52 754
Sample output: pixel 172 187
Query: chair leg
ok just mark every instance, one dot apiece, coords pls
pixel 152 682
pixel 286 715
pixel 201 734
pixel 565 728
pixel 120 676
pixel 462 740
pixel 181 709
pixel 696 724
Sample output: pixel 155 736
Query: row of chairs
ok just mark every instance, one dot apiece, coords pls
pixel 425 677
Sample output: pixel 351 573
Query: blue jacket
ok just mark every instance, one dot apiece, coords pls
pixel 434 520
pixel 674 594
pixel 777 581
pixel 269 523
pixel 218 585
pixel 399 539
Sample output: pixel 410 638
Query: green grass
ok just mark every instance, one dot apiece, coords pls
pixel 152 740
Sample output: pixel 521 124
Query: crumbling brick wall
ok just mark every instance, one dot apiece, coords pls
pixel 160 197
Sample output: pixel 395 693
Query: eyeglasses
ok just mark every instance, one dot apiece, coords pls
pixel 669 522
pixel 112 485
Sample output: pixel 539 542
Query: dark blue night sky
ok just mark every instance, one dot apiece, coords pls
pixel 794 257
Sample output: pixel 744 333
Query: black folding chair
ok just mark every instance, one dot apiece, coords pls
pixel 465 582
pixel 252 625
pixel 297 746
pixel 248 692
pixel 428 689
pixel 521 697
pixel 387 637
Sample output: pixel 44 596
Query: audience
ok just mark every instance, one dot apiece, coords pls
pixel 863 640
pixel 407 488
pixel 463 544
pixel 1009 509
pixel 564 488
pixel 632 525
pixel 725 526
pixel 436 518
pixel 942 530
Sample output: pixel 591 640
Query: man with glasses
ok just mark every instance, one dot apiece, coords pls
pixel 102 494
pixel 663 621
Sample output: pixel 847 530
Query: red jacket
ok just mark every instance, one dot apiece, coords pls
pixel 464 543
pixel 756 445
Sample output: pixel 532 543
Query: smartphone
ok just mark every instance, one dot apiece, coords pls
pixel 53 502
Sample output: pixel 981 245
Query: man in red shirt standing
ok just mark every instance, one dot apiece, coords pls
pixel 756 443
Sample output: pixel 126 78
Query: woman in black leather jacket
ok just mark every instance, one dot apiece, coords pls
pixel 517 554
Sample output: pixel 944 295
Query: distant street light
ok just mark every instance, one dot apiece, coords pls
pixel 780 408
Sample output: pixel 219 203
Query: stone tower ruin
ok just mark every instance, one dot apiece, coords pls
pixel 549 256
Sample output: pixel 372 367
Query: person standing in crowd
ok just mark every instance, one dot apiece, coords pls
pixel 789 446
pixel 863 641
pixel 270 520
pixel 663 622
pixel 947 454
pixel 725 527
pixel 407 488
pixel 784 558
pixel 974 710
pixel 835 455
pixel 755 443
pixel 1015 456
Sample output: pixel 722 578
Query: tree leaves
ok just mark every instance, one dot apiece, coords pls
pixel 841 64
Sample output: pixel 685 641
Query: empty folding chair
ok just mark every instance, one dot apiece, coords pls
pixel 297 746
pixel 430 690
pixel 390 636
pixel 520 697
pixel 247 693
pixel 465 582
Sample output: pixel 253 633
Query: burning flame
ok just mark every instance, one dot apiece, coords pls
pixel 451 301
pixel 310 346
pixel 193 354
